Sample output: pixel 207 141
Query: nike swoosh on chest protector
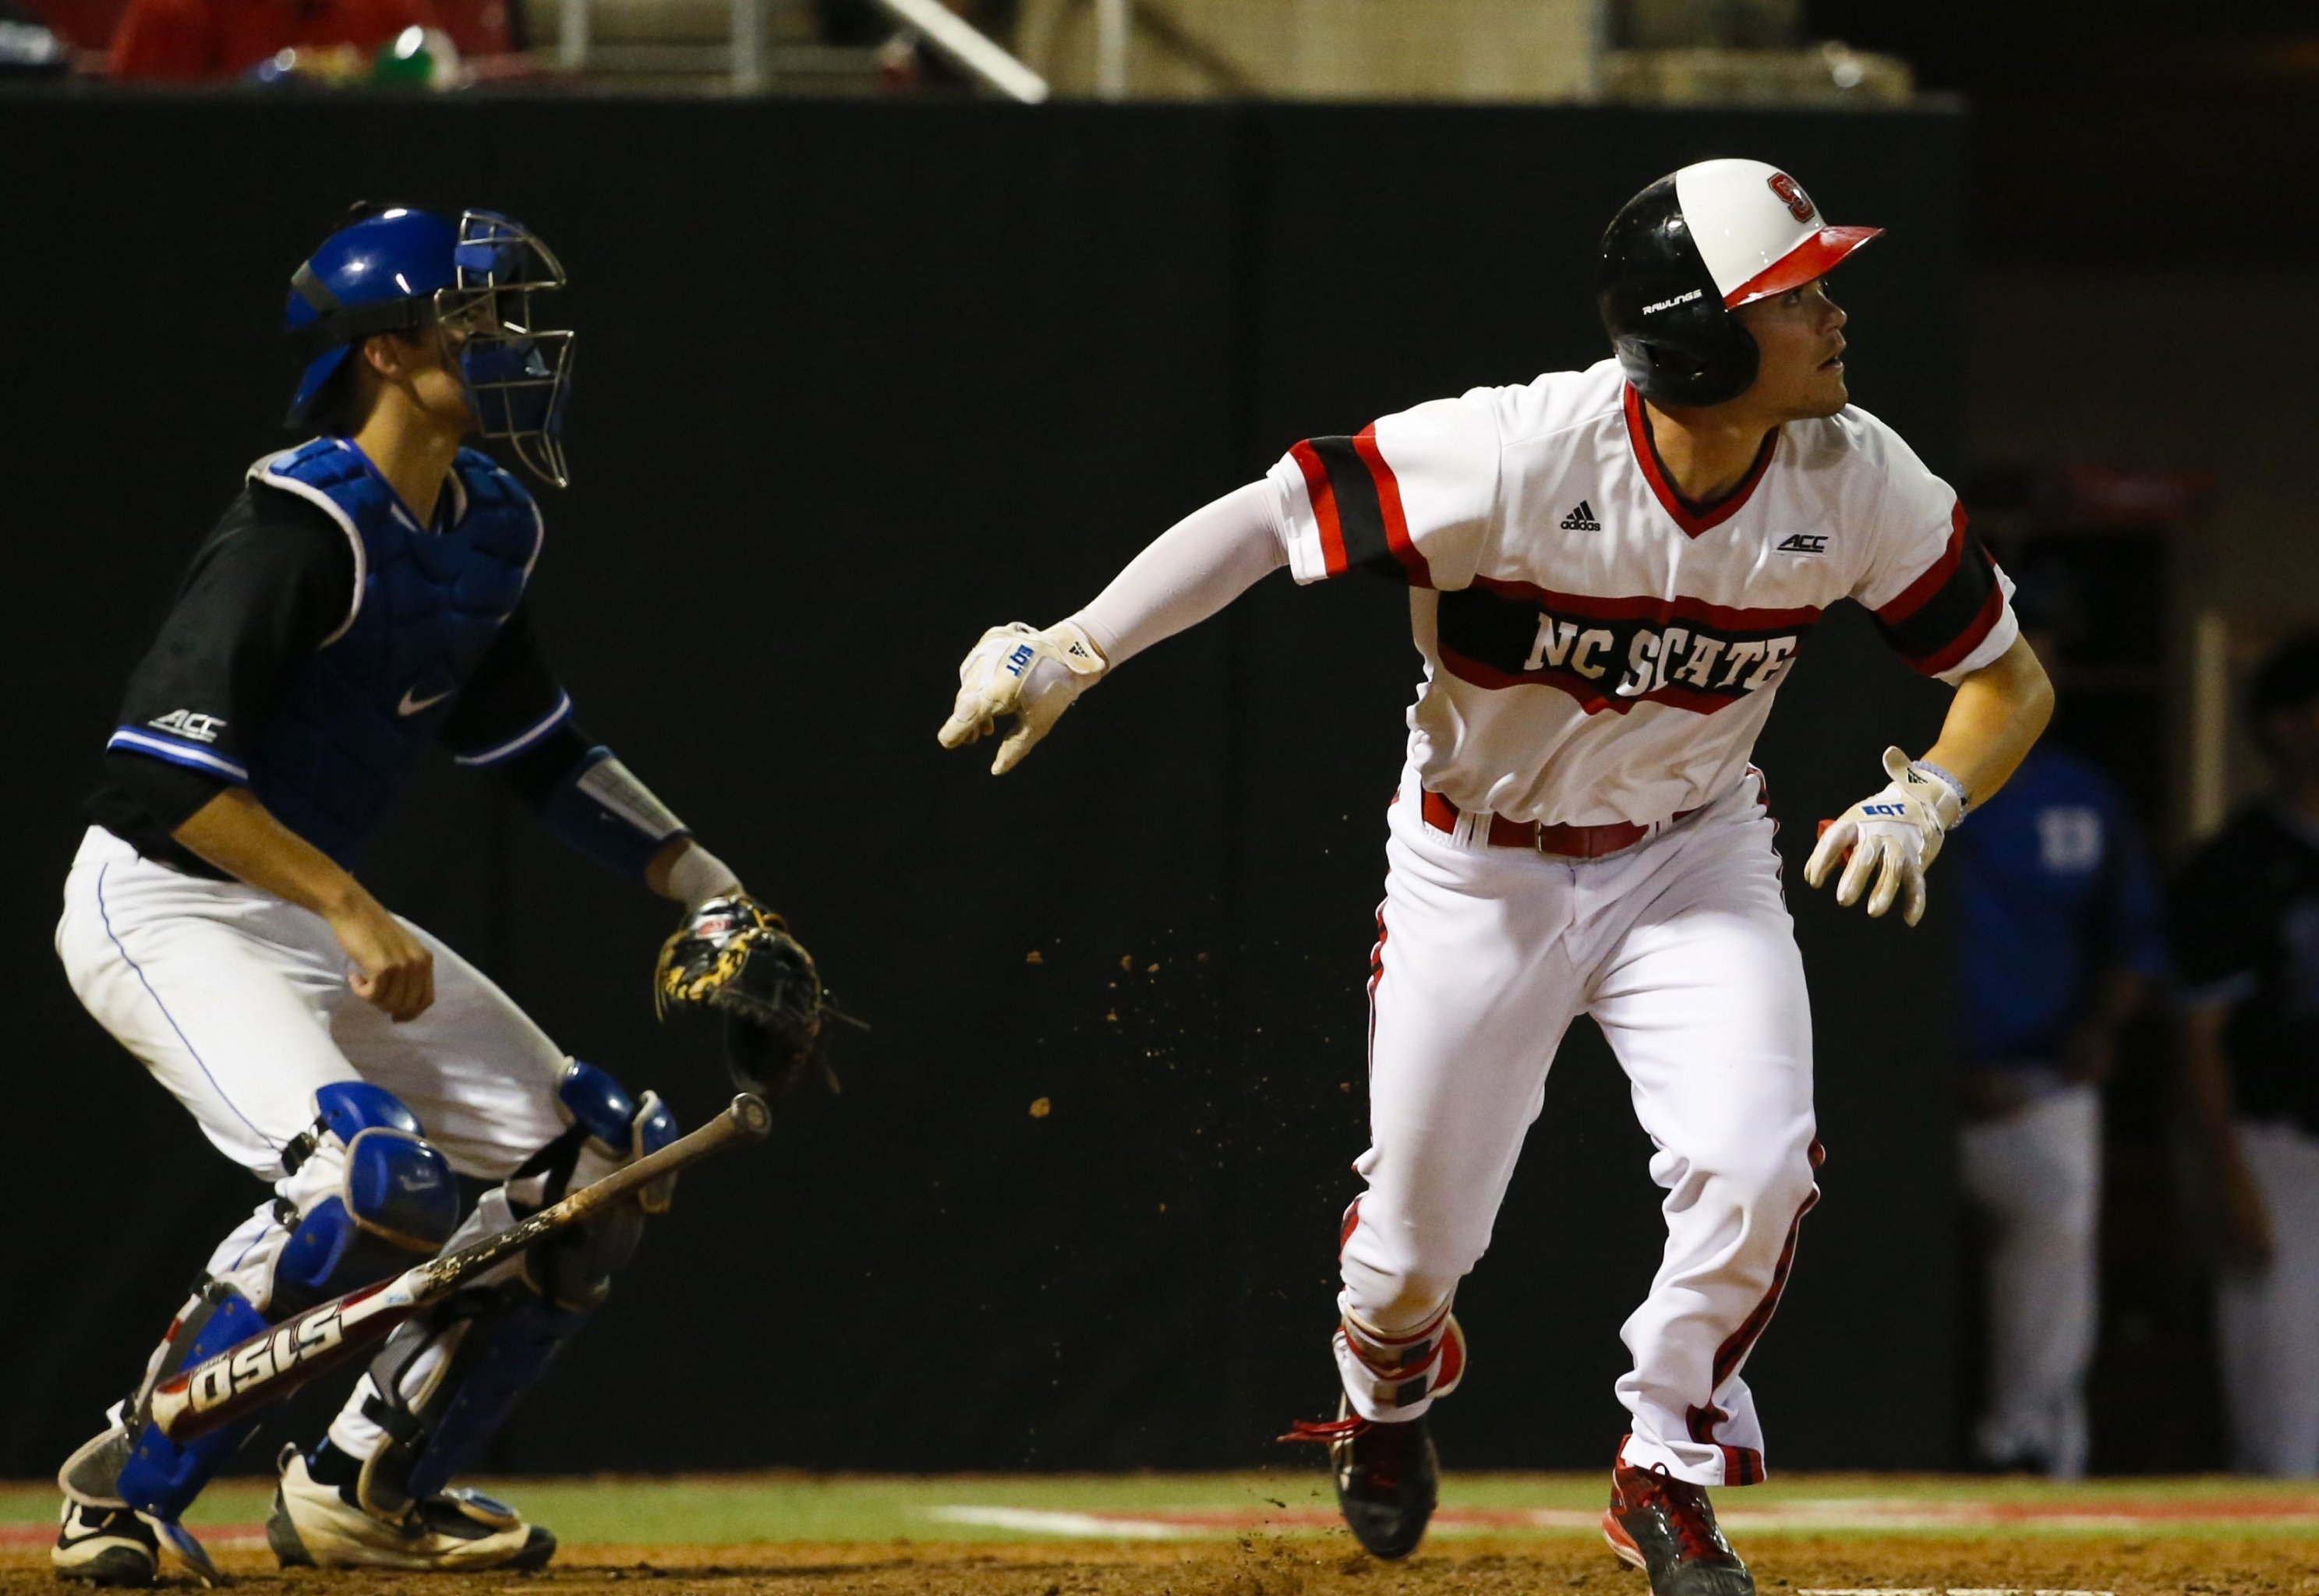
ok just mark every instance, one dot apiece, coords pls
pixel 410 705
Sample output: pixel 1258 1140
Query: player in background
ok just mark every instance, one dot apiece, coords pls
pixel 1610 573
pixel 363 597
pixel 2059 943
pixel 2246 951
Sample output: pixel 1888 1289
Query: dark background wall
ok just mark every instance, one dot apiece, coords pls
pixel 856 382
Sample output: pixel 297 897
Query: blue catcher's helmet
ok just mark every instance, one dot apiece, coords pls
pixel 393 269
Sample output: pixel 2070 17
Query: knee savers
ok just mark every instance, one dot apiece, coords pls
pixel 396 1199
pixel 606 1128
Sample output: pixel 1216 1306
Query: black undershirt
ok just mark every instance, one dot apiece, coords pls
pixel 264 590
pixel 2246 926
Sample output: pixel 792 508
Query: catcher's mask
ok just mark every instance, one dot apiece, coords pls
pixel 394 269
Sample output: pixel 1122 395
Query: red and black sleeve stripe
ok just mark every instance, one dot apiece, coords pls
pixel 1946 613
pixel 1356 503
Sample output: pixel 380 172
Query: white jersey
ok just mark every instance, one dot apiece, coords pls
pixel 1596 649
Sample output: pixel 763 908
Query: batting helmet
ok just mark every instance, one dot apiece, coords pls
pixel 394 269
pixel 1690 249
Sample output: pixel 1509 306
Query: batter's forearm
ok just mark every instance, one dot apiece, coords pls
pixel 240 836
pixel 1996 716
pixel 1189 573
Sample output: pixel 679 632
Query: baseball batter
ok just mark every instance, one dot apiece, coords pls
pixel 364 597
pixel 1610 572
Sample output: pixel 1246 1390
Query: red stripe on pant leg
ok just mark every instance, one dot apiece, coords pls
pixel 1376 974
pixel 1735 1346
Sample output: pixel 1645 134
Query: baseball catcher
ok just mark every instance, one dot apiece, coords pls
pixel 363 596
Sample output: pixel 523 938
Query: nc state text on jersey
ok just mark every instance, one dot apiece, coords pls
pixel 1613 654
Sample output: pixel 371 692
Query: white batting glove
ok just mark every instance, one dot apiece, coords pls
pixel 1020 672
pixel 1894 837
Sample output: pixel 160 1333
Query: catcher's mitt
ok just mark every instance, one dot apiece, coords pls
pixel 737 957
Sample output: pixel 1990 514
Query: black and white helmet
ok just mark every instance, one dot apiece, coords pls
pixel 1687 251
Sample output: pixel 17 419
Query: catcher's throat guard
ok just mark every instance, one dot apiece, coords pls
pixel 400 270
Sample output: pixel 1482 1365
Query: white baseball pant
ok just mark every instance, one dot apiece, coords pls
pixel 2267 1320
pixel 237 1002
pixel 1682 951
pixel 2036 1174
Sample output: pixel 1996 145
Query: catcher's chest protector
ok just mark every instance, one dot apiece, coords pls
pixel 426 606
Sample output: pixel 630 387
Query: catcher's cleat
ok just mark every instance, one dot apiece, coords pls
pixel 104 1545
pixel 1388 1478
pixel 1665 1526
pixel 317 1524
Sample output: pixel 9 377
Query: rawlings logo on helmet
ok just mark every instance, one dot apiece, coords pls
pixel 1791 195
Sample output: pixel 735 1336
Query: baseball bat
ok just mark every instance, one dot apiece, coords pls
pixel 268 1367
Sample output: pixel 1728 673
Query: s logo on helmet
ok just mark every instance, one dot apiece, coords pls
pixel 1791 195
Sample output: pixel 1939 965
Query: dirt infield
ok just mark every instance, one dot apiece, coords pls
pixel 1305 1565
pixel 1278 1534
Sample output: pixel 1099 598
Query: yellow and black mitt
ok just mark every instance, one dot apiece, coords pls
pixel 737 957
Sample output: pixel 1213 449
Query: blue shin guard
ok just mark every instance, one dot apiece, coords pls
pixel 161 1477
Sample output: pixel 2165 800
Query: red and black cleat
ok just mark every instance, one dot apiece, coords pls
pixel 1387 1478
pixel 1665 1526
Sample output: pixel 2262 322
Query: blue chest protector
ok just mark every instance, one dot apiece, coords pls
pixel 428 605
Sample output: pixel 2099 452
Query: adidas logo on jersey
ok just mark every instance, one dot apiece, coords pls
pixel 1803 543
pixel 186 724
pixel 1582 519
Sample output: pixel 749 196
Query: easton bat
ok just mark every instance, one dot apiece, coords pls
pixel 270 1365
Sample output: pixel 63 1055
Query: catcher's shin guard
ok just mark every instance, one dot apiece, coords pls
pixel 448 1379
pixel 371 1196
pixel 149 1471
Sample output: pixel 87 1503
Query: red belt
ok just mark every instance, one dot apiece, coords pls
pixel 1564 842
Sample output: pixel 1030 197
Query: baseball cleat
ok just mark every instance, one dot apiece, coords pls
pixel 315 1524
pixel 1388 1476
pixel 1665 1526
pixel 104 1545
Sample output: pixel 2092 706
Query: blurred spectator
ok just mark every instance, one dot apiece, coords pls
pixel 2246 940
pixel 207 40
pixel 85 25
pixel 29 47
pixel 2061 941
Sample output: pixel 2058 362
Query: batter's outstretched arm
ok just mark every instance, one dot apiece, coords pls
pixel 1188 574
pixel 240 836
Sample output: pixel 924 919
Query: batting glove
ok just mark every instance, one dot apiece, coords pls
pixel 1020 672
pixel 1894 837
